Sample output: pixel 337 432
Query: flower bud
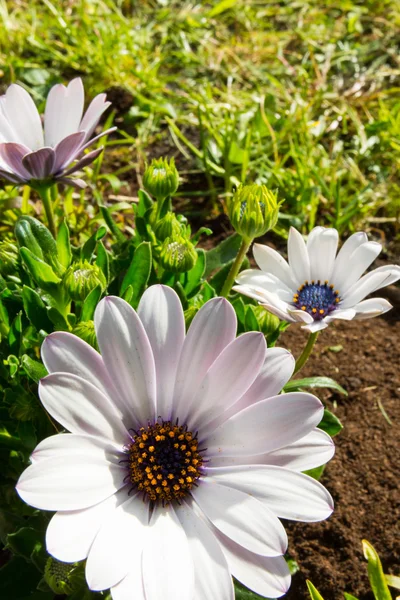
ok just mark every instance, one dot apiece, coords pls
pixel 161 178
pixel 167 227
pixel 253 210
pixel 177 255
pixel 269 324
pixel 85 330
pixel 57 576
pixel 81 278
pixel 9 258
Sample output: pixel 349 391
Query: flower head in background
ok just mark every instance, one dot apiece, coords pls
pixel 181 457
pixel 31 152
pixel 316 286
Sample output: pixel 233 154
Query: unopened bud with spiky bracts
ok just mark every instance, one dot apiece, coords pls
pixel 85 330
pixel 167 227
pixel 81 278
pixel 9 258
pixel 57 575
pixel 253 210
pixel 177 255
pixel 161 178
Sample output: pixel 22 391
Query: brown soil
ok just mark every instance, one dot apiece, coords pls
pixel 363 475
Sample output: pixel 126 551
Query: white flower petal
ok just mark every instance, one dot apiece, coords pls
pixel 211 330
pixel 69 482
pixel 67 444
pixel 21 112
pixel 266 426
pixel 316 325
pixel 344 314
pixel 300 315
pixel 290 495
pixel 371 282
pixel 342 260
pixel 168 571
pixel 80 407
pixel 267 576
pixel 371 308
pixel 311 451
pixel 271 261
pixel 161 313
pixel 118 544
pixel 212 575
pixel 63 112
pixel 298 257
pixel 321 246
pixel 92 116
pixel 357 263
pixel 258 280
pixel 128 357
pixel 228 378
pixel 242 518
pixel 70 534
pixel 131 587
pixel 280 309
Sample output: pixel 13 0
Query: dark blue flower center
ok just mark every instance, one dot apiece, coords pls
pixel 316 298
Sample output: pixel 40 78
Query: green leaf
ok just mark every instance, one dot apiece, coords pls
pixel 194 276
pixel 90 244
pixel 40 271
pixel 57 319
pixel 375 573
pixel 138 273
pixel 222 254
pixel 116 232
pixel 128 293
pixel 34 369
pixel 315 473
pixel 103 261
pixel 24 541
pixel 217 281
pixel 250 320
pixel 64 245
pixel 35 309
pixel 145 202
pixel 91 301
pixel 393 581
pixel 330 423
pixel 221 7
pixel 314 382
pixel 19 579
pixel 314 593
pixel 349 596
pixel 15 334
pixel 242 593
pixel 35 236
pixel 9 441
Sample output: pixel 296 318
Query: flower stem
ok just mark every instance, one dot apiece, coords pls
pixel 230 280
pixel 45 195
pixel 305 355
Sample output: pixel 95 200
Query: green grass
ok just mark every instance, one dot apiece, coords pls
pixel 302 96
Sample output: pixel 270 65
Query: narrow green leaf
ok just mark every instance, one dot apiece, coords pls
pixel 90 244
pixel 138 273
pixel 40 271
pixel 349 596
pixel 64 245
pixel 393 581
pixel 314 593
pixel 128 293
pixel 91 301
pixel 222 254
pixel 103 261
pixel 314 382
pixel 221 7
pixel 145 202
pixel 194 276
pixel 116 232
pixel 35 309
pixel 250 320
pixel 375 573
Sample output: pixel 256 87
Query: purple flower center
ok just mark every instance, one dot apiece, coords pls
pixel 316 298
pixel 163 461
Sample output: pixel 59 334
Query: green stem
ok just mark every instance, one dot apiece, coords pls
pixel 230 280
pixel 305 355
pixel 45 194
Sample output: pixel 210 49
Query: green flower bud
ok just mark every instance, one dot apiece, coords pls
pixel 85 330
pixel 253 210
pixel 57 575
pixel 177 255
pixel 167 227
pixel 269 323
pixel 81 278
pixel 9 258
pixel 161 178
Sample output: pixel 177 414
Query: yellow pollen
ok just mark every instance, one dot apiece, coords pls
pixel 151 449
pixel 321 311
pixel 303 308
pixel 314 310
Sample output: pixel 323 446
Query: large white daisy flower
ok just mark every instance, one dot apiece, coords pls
pixel 30 153
pixel 181 457
pixel 316 286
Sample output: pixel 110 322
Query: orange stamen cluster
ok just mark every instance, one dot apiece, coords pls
pixel 164 461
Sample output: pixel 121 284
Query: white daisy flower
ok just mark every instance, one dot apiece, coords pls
pixel 30 151
pixel 316 286
pixel 181 457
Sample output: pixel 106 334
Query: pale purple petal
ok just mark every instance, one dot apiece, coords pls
pixel 118 544
pixel 11 178
pixel 81 407
pixel 211 330
pixel 63 112
pixel 11 155
pixel 92 116
pixel 128 357
pixel 266 425
pixel 67 149
pixel 69 482
pixel 298 257
pixel 212 575
pixel 168 570
pixel 21 112
pixel 78 184
pixel 288 494
pixel 161 313
pixel 83 162
pixel 242 518
pixel 40 164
